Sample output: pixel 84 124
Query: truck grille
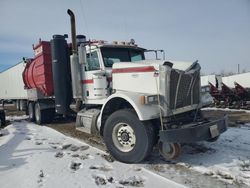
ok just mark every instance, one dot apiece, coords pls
pixel 184 89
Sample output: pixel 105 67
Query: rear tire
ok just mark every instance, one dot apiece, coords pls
pixel 31 112
pixel 17 103
pixel 43 115
pixel 127 138
pixel 39 114
pixel 23 105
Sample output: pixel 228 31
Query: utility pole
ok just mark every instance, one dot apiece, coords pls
pixel 238 68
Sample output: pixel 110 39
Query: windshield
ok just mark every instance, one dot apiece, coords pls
pixel 113 55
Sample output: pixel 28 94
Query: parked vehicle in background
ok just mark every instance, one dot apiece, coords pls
pixel 12 86
pixel 230 91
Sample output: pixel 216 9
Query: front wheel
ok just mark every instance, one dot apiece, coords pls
pixel 127 138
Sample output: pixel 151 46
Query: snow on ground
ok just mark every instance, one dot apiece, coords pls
pixel 16 118
pixel 226 109
pixel 37 156
pixel 227 159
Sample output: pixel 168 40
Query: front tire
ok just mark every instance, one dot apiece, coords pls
pixel 127 138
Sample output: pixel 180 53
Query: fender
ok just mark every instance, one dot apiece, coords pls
pixel 144 112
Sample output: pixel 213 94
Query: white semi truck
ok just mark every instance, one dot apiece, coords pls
pixel 133 103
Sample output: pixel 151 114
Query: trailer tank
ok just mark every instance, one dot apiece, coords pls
pixel 38 72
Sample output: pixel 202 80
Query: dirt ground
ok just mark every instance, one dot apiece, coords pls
pixel 68 128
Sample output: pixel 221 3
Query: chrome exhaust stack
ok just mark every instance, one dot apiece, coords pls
pixel 76 67
pixel 73 30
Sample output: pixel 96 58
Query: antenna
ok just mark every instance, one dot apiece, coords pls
pixel 84 20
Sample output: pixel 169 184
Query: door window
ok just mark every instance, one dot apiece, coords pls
pixel 92 62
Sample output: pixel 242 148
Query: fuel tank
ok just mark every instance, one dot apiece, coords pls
pixel 38 71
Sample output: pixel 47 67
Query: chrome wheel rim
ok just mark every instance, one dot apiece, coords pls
pixel 123 137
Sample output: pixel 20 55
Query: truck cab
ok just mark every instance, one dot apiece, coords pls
pixel 123 92
pixel 100 58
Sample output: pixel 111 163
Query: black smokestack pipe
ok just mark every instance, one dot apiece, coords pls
pixel 73 30
pixel 61 74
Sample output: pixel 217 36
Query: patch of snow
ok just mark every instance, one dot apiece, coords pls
pixel 16 118
pixel 226 109
pixel 226 159
pixel 49 164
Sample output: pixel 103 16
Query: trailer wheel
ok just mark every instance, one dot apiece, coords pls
pixel 39 114
pixel 17 103
pixel 127 138
pixel 23 105
pixel 31 111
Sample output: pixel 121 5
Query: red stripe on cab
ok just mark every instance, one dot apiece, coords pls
pixel 90 81
pixel 134 69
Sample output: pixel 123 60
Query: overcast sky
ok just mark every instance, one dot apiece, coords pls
pixel 216 32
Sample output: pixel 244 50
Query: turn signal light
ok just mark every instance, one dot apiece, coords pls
pixel 148 99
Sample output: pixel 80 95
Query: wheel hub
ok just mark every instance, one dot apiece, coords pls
pixel 124 137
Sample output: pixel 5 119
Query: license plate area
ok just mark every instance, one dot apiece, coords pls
pixel 214 130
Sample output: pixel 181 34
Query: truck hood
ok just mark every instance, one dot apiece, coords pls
pixel 180 65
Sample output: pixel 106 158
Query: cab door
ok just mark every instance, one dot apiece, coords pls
pixel 95 81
